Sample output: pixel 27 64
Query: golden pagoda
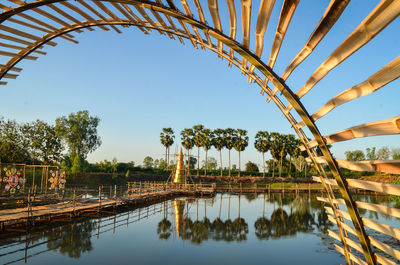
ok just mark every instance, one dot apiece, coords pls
pixel 180 171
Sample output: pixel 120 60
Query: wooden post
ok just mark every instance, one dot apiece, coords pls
pixel 74 202
pixel 28 205
pixel 115 191
pixel 98 211
pixel 240 187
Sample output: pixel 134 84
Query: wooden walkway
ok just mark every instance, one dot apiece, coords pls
pixel 136 193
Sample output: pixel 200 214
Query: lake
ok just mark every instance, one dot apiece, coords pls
pixel 226 229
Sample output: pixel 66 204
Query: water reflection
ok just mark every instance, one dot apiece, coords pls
pixel 280 223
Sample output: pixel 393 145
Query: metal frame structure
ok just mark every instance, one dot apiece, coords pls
pixel 28 27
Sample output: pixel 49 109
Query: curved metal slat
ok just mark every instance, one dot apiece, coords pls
pixel 233 24
pixel 213 7
pixel 264 14
pixel 376 21
pixel 202 19
pixel 329 18
pixel 66 15
pixel 376 81
pixel 246 18
pixel 94 11
pixel 383 127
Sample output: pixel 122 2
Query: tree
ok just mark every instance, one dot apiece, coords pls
pixel 218 140
pixel 188 143
pixel 293 150
pixel 262 145
pixel 79 131
pixel 395 153
pixel 44 143
pixel 251 167
pixel 276 146
pixel 13 145
pixel 356 155
pixel 228 139
pixel 198 141
pixel 241 140
pixel 148 162
pixel 383 153
pixel 371 153
pixel 207 144
pixel 210 164
pixel 167 139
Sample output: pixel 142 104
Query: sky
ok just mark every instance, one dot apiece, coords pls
pixel 138 84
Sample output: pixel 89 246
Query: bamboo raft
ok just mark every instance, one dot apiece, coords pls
pixel 135 194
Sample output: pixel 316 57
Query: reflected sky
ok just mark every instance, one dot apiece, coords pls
pixel 232 229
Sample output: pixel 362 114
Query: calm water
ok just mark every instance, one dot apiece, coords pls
pixel 227 229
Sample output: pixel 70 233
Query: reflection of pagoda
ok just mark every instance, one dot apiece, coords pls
pixel 179 208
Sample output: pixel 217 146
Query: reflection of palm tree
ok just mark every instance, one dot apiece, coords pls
pixel 263 228
pixel 241 229
pixel 74 240
pixel 164 229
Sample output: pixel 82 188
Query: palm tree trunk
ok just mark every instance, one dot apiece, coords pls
pixel 280 167
pixel 198 160
pixel 188 163
pixel 205 172
pixel 263 163
pixel 229 162
pixel 290 166
pixel 166 156
pixel 239 165
pixel 273 167
pixel 220 159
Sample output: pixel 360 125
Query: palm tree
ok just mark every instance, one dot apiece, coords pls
pixel 198 141
pixel 187 141
pixel 228 139
pixel 241 140
pixel 293 150
pixel 283 151
pixel 262 144
pixel 167 139
pixel 219 143
pixel 275 148
pixel 207 144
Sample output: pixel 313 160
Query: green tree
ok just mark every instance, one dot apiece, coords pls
pixel 262 145
pixel 167 139
pixel 383 153
pixel 241 140
pixel 395 153
pixel 210 164
pixel 371 153
pixel 251 167
pixel 207 144
pixel 187 141
pixel 293 148
pixel 356 155
pixel 228 139
pixel 44 143
pixel 275 148
pixel 79 131
pixel 198 141
pixel 148 162
pixel 77 165
pixel 14 147
pixel 218 141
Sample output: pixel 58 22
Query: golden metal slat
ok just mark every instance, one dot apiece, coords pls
pixel 11 54
pixel 171 22
pixel 213 8
pixel 185 28
pixel 19 48
pixel 24 34
pixel 382 228
pixel 144 30
pixel 349 242
pixel 39 22
pixel 161 21
pixel 352 256
pixel 382 127
pixel 246 18
pixel 385 248
pixel 376 81
pixel 329 18
pixel 15 69
pixel 147 18
pixel 66 15
pixel 95 12
pixel 196 32
pixel 233 25
pixel 264 14
pixel 11 76
pixel 384 13
pixel 14 39
pixel 2 83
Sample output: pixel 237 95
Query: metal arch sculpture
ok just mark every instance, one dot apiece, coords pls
pixel 21 22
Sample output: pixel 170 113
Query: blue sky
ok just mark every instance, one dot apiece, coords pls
pixel 138 84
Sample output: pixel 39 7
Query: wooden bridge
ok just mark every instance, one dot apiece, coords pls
pixel 135 193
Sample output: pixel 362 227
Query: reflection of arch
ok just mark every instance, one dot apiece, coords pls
pixel 20 23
